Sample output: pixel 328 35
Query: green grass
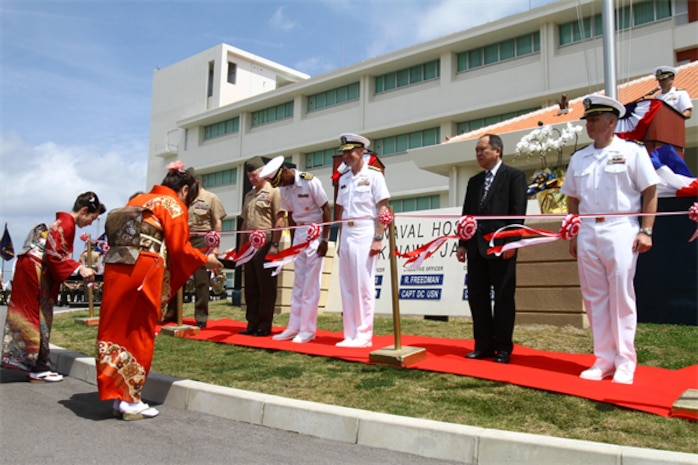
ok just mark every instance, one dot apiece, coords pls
pixel 422 394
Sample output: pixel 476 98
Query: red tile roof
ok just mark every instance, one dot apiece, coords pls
pixel 687 78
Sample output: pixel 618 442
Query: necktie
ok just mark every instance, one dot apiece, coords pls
pixel 488 182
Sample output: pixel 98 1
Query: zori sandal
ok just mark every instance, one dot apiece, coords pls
pixel 45 377
pixel 131 411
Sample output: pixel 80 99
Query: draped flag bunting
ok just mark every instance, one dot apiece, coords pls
pixel 279 260
pixel 101 246
pixel 637 119
pixel 568 230
pixel 677 179
pixel 7 250
pixel 465 229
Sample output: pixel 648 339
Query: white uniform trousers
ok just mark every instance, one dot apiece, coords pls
pixel 606 264
pixel 357 279
pixel 306 286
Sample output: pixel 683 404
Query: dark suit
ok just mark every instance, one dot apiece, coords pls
pixel 506 196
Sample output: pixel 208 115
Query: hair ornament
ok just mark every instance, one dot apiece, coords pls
pixel 176 166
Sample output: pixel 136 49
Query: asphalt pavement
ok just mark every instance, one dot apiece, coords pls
pixel 66 423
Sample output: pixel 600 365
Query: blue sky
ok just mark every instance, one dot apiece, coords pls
pixel 76 76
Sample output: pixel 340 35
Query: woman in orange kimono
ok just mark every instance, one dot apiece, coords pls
pixel 149 258
pixel 44 262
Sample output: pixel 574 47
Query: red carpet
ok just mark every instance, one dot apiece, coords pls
pixel 654 391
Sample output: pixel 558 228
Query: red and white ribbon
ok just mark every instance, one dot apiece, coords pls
pixel 532 236
pixel 465 230
pixel 283 258
pixel 693 216
pixel 248 249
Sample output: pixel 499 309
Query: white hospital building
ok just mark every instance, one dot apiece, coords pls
pixel 220 107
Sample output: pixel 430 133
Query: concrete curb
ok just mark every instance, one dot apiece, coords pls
pixel 425 438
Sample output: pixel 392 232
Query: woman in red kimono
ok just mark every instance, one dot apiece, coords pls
pixel 149 258
pixel 44 262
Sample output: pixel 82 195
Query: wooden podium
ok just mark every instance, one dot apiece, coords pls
pixel 668 126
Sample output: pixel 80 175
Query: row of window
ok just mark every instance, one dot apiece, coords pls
pixel 222 128
pixel 427 202
pixel 408 76
pixel 402 142
pixel 219 178
pixel 527 44
pixel 626 17
pixel 333 97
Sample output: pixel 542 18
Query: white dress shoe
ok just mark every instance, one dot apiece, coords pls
pixel 302 337
pixel 622 376
pixel 360 344
pixel 286 335
pixel 345 343
pixel 595 374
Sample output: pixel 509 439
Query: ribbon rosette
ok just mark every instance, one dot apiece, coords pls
pixel 568 230
pixel 465 229
pixel 385 218
pixel 248 249
pixel 279 260
pixel 693 216
pixel 213 240
pixel 84 237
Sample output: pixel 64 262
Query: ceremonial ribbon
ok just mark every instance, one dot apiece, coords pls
pixel 279 260
pixel 568 230
pixel 465 230
pixel 693 215
pixel 213 240
pixel 248 249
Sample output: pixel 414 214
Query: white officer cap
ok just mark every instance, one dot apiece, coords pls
pixel 601 104
pixel 351 141
pixel 272 170
pixel 663 72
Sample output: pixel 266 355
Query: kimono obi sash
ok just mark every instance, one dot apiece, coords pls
pixel 129 231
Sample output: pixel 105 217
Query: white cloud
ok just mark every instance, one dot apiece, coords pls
pixel 314 65
pixel 282 22
pixel 36 182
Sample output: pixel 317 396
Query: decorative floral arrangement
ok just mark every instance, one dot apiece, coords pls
pixel 542 142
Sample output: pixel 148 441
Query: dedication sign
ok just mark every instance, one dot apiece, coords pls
pixel 437 287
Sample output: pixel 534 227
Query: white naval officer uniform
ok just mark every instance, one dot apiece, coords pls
pixel 609 180
pixel 359 195
pixel 304 200
pixel 677 98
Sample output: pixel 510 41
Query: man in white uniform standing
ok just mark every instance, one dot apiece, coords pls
pixel 363 195
pixel 610 176
pixel 303 197
pixel 677 98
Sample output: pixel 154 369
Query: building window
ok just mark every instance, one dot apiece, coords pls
pixel 408 76
pixel 472 125
pixel 493 53
pixel 228 126
pixel 232 72
pixel 229 225
pixel 403 142
pixel 320 158
pixel 333 97
pixel 271 114
pixel 410 204
pixel 626 17
pixel 209 91
pixel 220 178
